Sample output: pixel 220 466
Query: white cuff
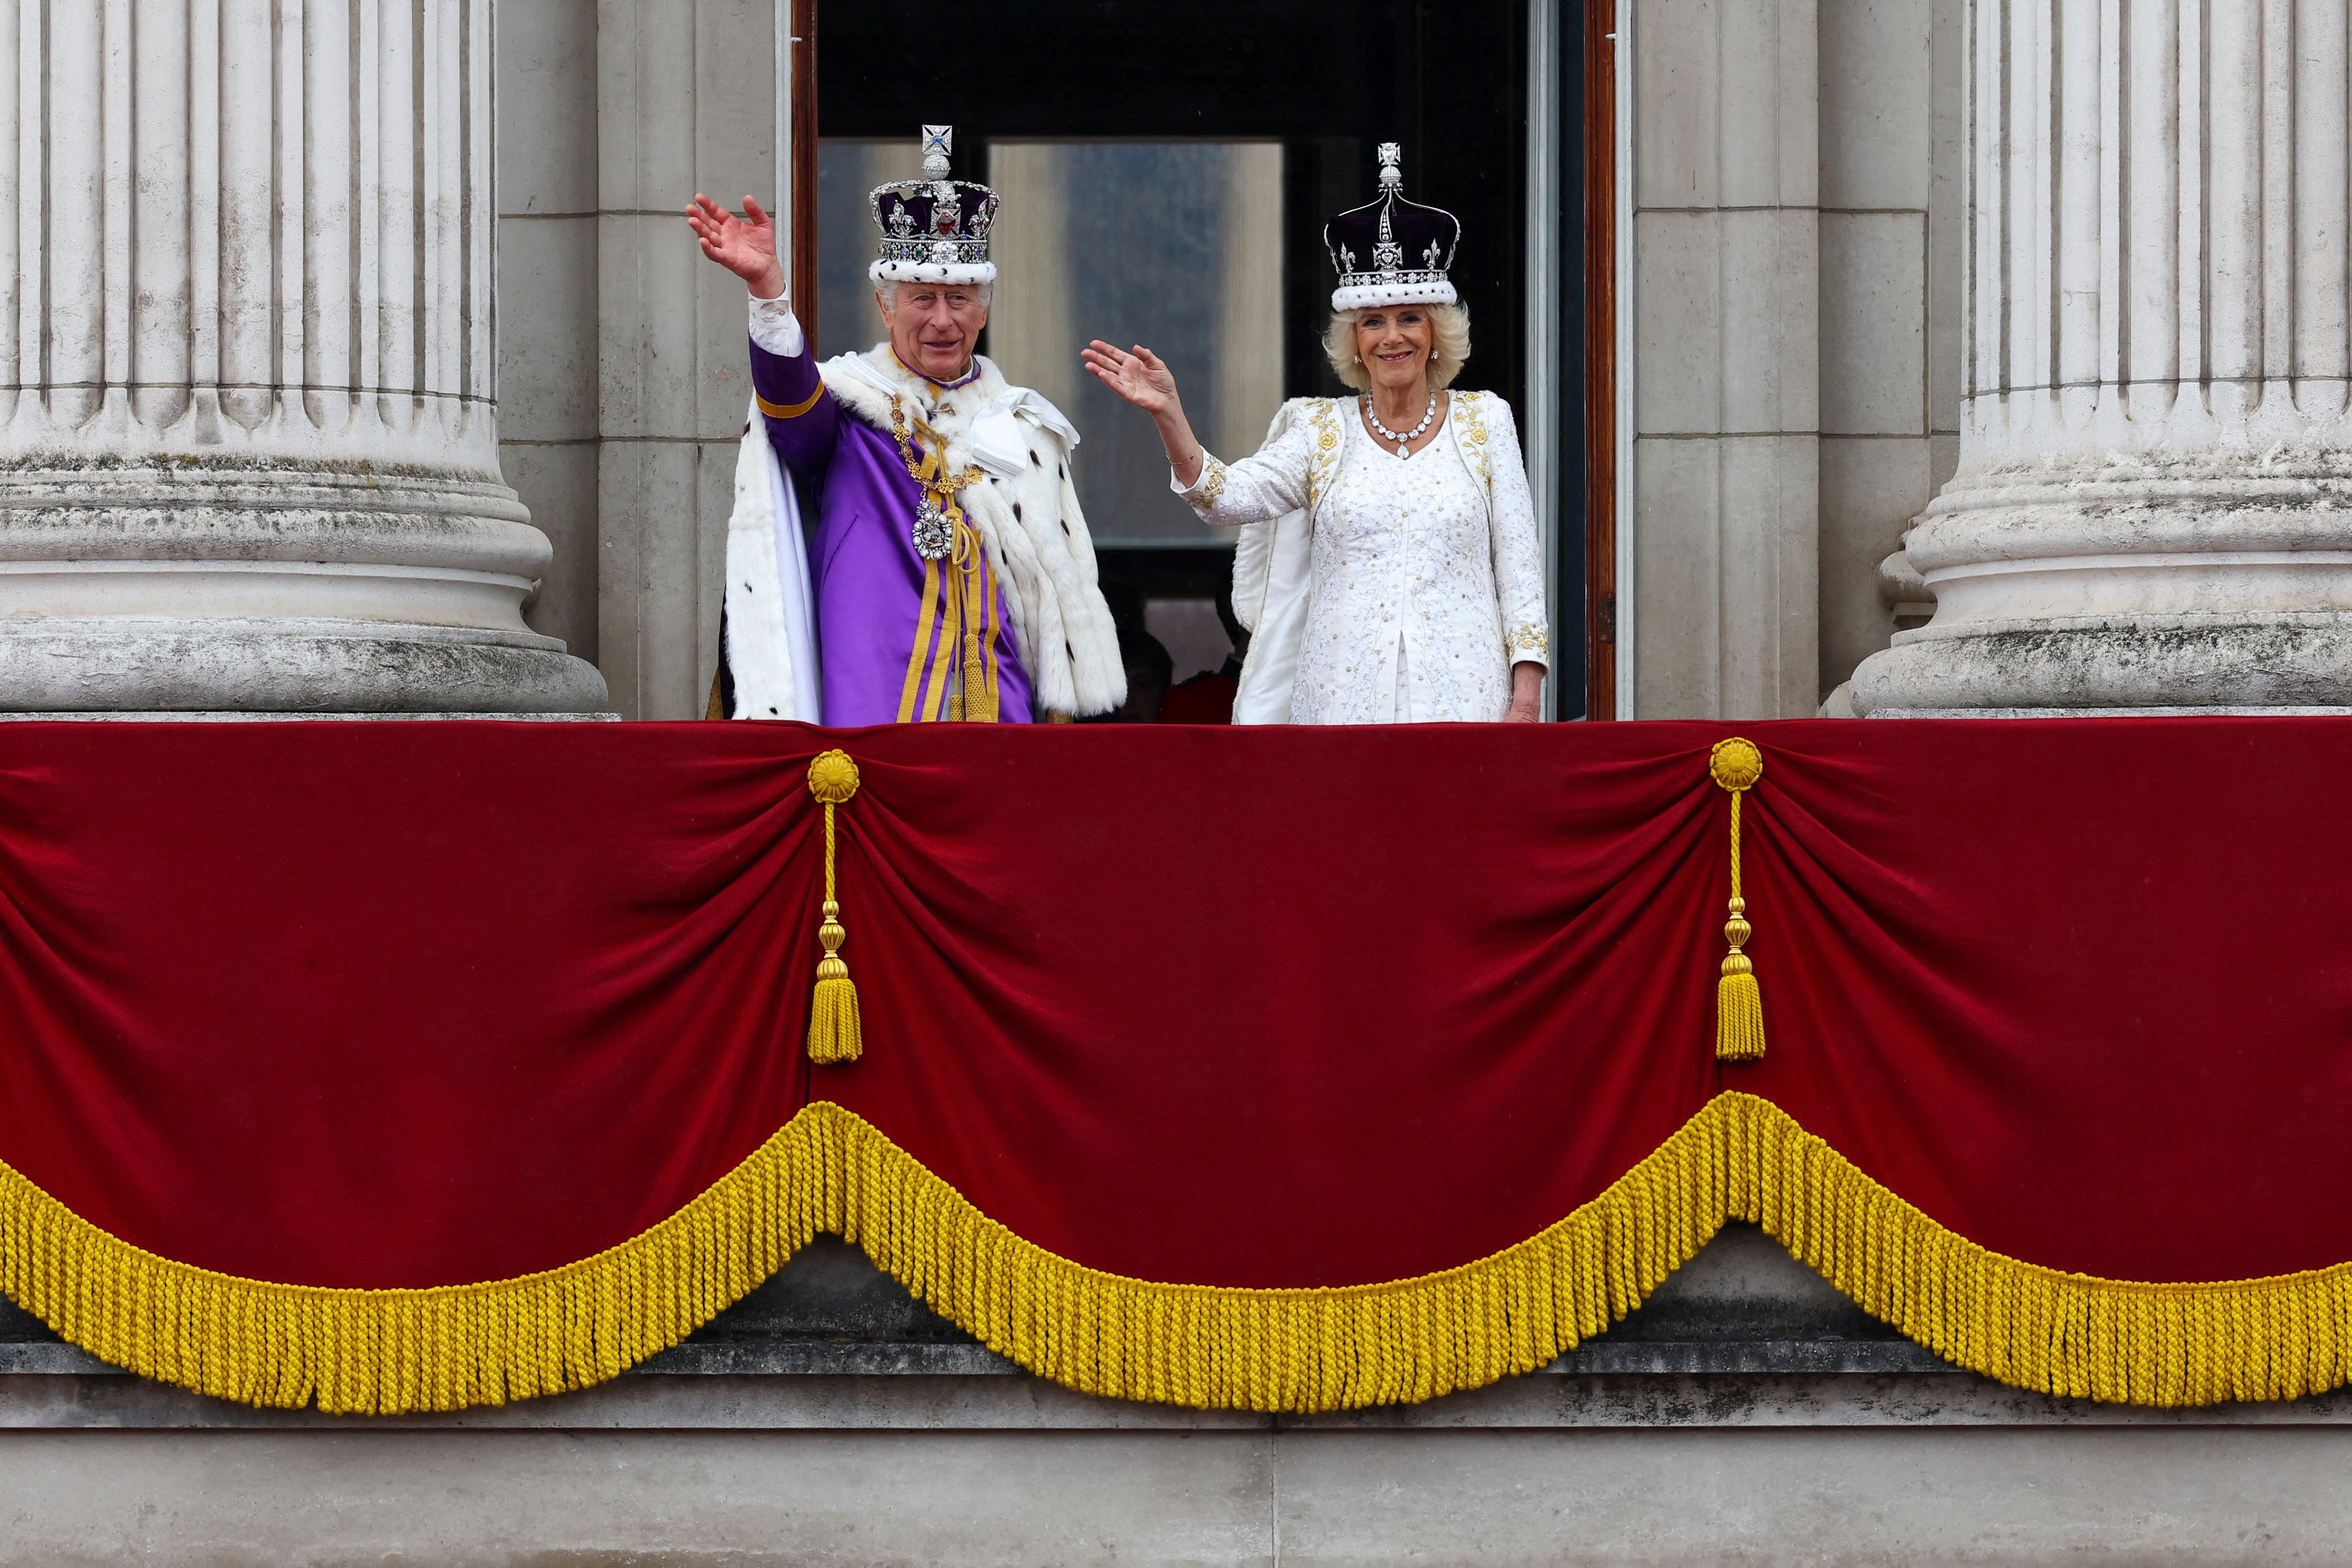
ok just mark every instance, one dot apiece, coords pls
pixel 1200 491
pixel 774 327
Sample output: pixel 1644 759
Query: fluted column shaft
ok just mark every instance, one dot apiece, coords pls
pixel 2153 506
pixel 249 440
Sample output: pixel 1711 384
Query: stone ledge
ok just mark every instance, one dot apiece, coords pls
pixel 1740 1336
pixel 983 1398
pixel 1601 1358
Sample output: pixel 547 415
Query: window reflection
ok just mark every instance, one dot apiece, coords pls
pixel 846 320
pixel 1177 245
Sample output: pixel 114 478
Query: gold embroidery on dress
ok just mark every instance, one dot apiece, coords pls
pixel 1530 642
pixel 1473 409
pixel 1213 479
pixel 1324 458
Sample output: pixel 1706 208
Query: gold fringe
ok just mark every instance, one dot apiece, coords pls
pixel 390 1351
pixel 386 1351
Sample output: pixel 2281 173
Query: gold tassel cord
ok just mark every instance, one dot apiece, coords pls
pixel 828 1170
pixel 976 676
pixel 1736 764
pixel 836 1033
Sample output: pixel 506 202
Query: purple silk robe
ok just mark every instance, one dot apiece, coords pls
pixel 866 577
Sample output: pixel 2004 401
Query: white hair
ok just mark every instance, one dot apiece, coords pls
pixel 886 295
pixel 1449 342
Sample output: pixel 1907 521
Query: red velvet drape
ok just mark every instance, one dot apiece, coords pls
pixel 372 1004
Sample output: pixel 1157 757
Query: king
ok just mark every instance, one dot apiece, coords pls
pixel 951 575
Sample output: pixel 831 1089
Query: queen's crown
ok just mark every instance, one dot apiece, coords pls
pixel 1392 251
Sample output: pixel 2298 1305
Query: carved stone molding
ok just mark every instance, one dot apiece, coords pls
pixel 2153 508
pixel 249 429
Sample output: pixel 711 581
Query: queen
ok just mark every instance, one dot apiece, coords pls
pixel 1388 567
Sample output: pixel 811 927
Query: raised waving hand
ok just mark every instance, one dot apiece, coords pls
pixel 745 246
pixel 1144 379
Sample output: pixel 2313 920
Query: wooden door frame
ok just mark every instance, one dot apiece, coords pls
pixel 1600 367
pixel 802 157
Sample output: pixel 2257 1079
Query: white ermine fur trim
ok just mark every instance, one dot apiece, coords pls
pixel 771 632
pixel 1368 296
pixel 1028 520
pixel 932 272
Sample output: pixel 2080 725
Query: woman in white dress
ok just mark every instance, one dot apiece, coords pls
pixel 1423 593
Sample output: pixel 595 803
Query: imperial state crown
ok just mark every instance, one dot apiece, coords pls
pixel 934 229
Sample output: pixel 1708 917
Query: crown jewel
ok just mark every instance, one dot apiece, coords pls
pixel 1391 230
pixel 934 229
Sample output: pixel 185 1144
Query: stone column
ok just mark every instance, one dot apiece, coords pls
pixel 249 440
pixel 2153 506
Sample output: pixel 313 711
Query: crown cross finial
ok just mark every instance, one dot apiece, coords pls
pixel 1391 170
pixel 939 140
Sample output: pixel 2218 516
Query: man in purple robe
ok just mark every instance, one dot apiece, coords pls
pixel 951 573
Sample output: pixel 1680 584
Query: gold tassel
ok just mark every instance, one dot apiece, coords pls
pixel 834 1034
pixel 1736 764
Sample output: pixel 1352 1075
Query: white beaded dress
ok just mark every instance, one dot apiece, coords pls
pixel 1426 580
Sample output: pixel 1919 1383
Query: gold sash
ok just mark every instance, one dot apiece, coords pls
pixel 962 604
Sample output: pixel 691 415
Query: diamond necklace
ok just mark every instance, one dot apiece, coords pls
pixel 1410 436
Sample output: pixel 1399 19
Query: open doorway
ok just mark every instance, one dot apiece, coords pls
pixel 1166 172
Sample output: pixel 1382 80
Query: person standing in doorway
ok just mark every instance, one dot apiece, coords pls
pixel 951 573
pixel 1418 592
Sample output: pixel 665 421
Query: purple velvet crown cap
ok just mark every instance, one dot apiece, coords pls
pixel 1392 251
pixel 934 229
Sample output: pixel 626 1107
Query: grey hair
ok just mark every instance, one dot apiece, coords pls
pixel 1449 342
pixel 886 295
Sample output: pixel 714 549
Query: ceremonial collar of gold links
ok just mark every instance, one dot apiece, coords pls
pixel 937 516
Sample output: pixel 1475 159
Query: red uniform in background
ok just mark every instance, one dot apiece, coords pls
pixel 1206 699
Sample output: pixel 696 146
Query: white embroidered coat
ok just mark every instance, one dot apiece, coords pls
pixel 1423 577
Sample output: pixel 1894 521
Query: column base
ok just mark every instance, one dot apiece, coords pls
pixel 2109 712
pixel 59 666
pixel 2278 662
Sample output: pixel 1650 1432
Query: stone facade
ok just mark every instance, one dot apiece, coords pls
pixel 254 457
pixel 248 435
pixel 1796 350
pixel 622 350
pixel 1794 289
pixel 2153 510
pixel 251 460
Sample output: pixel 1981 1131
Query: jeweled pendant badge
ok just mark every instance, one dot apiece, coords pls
pixel 934 536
